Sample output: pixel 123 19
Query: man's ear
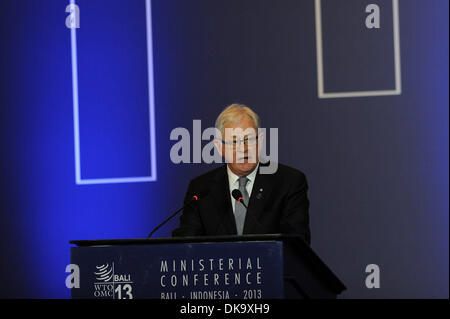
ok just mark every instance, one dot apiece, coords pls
pixel 219 146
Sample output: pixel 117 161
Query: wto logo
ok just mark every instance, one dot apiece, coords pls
pixel 103 272
pixel 111 285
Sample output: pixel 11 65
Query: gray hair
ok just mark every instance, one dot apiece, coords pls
pixel 233 114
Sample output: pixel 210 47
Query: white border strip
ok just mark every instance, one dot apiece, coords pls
pixel 151 98
pixel 319 57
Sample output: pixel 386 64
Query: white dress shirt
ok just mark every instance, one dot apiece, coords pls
pixel 234 183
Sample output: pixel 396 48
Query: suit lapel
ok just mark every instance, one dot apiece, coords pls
pixel 260 193
pixel 221 194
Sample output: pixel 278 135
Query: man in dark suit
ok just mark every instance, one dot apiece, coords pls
pixel 274 203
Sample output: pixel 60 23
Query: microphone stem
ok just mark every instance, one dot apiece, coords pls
pixel 167 219
pixel 242 202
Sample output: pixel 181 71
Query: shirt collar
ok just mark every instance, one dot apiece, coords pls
pixel 232 178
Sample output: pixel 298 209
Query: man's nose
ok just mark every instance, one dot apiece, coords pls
pixel 242 148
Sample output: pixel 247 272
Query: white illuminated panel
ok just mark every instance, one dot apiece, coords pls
pixel 151 101
pixel 319 57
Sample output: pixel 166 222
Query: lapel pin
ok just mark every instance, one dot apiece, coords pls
pixel 259 195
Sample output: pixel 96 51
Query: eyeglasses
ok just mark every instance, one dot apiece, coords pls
pixel 246 141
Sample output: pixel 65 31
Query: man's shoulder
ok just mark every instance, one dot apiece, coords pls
pixel 217 173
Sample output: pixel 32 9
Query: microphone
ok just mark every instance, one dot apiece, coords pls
pixel 194 198
pixel 237 195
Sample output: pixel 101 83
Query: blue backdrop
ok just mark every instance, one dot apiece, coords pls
pixel 377 165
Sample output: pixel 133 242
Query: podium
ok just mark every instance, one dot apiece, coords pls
pixel 272 266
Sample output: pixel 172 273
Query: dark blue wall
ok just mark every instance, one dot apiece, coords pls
pixel 377 166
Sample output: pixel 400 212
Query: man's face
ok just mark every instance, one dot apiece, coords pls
pixel 239 146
